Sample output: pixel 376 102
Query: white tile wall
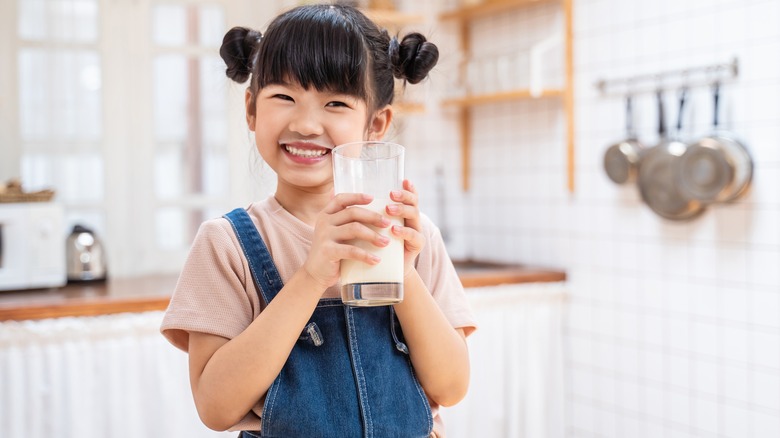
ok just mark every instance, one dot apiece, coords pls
pixel 673 328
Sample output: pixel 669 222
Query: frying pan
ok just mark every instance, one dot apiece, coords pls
pixel 717 168
pixel 621 160
pixel 657 183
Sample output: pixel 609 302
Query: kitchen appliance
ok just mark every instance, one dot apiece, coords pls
pixel 32 248
pixel 85 255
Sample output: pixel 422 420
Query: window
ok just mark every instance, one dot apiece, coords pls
pixel 190 128
pixel 122 108
pixel 60 104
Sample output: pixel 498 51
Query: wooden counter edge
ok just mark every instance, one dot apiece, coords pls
pixel 498 277
pixel 96 306
pixel 83 307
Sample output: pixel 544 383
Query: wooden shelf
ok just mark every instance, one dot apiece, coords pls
pixel 409 107
pixel 486 8
pixel 464 17
pixel 502 96
pixel 391 18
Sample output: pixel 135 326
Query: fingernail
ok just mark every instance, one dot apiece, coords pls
pixel 396 193
pixel 396 229
pixel 392 208
pixel 384 239
pixel 385 222
pixel 374 258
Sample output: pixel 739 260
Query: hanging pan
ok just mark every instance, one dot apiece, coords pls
pixel 657 184
pixel 717 168
pixel 621 160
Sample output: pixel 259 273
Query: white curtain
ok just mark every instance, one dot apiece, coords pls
pixel 94 377
pixel 115 376
pixel 516 388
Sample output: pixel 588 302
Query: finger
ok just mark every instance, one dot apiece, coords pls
pixel 358 231
pixel 410 214
pixel 413 238
pixel 408 196
pixel 405 196
pixel 363 215
pixel 344 200
pixel 351 252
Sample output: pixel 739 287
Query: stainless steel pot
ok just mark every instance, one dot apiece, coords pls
pixel 717 168
pixel 621 160
pixel 657 184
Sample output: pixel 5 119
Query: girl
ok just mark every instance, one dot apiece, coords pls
pixel 272 350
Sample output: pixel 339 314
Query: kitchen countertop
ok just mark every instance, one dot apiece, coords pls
pixel 480 274
pixel 149 293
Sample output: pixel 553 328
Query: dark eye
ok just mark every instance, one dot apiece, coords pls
pixel 337 103
pixel 283 97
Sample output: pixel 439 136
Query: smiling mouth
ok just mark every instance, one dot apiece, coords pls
pixel 305 152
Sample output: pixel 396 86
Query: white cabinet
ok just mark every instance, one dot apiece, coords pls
pixel 516 388
pixel 94 377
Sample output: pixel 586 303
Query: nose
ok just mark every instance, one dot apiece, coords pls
pixel 305 121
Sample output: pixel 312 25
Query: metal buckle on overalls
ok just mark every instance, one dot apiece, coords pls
pixel 312 335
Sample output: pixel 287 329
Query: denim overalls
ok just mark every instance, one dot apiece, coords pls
pixel 349 374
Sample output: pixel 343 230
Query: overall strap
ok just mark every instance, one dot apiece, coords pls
pixel 264 272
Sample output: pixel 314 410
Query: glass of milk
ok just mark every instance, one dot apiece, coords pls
pixel 374 168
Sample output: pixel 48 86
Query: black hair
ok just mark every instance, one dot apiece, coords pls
pixel 331 48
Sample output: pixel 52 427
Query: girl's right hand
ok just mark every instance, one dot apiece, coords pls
pixel 335 227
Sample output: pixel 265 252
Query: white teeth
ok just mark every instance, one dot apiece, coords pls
pixel 308 153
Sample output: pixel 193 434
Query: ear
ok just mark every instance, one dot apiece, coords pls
pixel 249 102
pixel 380 123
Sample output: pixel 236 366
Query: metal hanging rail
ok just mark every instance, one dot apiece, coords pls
pixel 703 75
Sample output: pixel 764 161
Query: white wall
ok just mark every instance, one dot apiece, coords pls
pixel 673 328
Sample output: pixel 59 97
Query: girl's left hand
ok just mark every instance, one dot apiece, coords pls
pixel 411 232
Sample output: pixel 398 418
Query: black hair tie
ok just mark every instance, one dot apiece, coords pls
pixel 394 46
pixel 394 51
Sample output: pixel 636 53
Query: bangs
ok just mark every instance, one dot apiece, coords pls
pixel 315 47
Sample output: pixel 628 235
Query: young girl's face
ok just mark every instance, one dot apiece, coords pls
pixel 295 130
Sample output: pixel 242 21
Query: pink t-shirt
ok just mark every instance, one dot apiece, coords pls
pixel 215 293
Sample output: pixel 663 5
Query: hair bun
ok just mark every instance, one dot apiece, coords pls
pixel 238 48
pixel 413 57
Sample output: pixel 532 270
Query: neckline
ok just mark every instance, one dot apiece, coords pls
pixel 289 221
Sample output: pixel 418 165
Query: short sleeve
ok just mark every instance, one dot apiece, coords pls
pixel 211 294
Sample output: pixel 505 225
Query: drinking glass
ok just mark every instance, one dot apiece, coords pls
pixel 374 168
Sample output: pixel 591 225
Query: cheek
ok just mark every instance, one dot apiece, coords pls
pixel 354 129
pixel 269 122
pixel 264 137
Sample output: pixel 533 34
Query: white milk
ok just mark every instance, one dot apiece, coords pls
pixel 391 268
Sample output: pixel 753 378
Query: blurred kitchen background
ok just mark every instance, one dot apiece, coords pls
pixel 662 328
